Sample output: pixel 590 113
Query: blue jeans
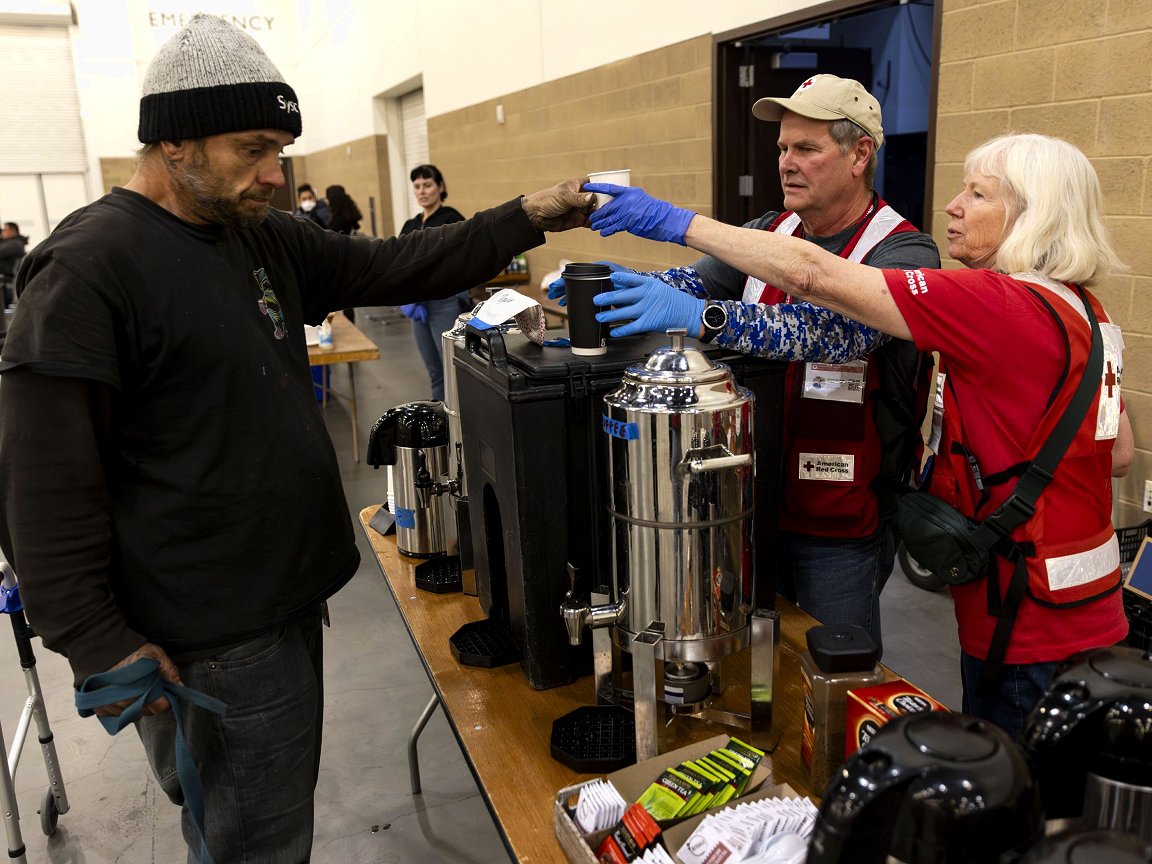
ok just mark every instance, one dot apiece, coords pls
pixel 442 315
pixel 1020 688
pixel 259 762
pixel 837 580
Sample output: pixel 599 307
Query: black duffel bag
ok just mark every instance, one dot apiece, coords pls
pixel 941 538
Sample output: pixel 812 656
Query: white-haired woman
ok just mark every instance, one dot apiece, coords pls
pixel 1014 341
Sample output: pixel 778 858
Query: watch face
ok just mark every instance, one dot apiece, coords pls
pixel 715 317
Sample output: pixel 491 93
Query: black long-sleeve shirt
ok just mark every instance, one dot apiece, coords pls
pixel 165 471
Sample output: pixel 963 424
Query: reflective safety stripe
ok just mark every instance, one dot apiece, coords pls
pixel 753 287
pixel 788 226
pixel 753 290
pixel 1080 568
pixel 880 226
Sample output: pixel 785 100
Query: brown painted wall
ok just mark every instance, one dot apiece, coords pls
pixel 361 167
pixel 651 113
pixel 1079 72
pixel 116 172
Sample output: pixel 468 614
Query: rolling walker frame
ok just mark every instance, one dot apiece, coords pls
pixel 54 801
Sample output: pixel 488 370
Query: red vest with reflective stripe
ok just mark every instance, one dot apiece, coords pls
pixel 1077 556
pixel 825 439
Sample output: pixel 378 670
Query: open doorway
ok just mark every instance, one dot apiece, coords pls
pixel 889 48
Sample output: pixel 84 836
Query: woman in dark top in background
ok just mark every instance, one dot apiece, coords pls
pixel 345 216
pixel 432 318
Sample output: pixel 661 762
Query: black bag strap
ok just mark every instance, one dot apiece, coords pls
pixel 1005 614
pixel 1021 505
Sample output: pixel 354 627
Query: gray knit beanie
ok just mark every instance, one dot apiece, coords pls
pixel 210 78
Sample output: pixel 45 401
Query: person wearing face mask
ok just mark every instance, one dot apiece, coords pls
pixel 432 317
pixel 311 207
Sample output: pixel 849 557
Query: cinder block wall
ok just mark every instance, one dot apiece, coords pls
pixel 116 172
pixel 651 113
pixel 1078 70
pixel 361 167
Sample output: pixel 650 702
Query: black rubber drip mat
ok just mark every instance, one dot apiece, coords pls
pixel 595 739
pixel 488 643
pixel 440 575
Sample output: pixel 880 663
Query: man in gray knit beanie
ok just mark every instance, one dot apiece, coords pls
pixel 157 402
pixel 211 78
pixel 211 94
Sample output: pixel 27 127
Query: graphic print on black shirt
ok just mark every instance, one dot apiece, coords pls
pixel 268 303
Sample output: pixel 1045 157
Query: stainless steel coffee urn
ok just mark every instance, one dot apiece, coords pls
pixel 413 439
pixel 1089 740
pixel 681 484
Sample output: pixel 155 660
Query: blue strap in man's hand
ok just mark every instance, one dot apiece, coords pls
pixel 142 682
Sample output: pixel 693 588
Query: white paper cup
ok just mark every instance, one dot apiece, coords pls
pixel 622 177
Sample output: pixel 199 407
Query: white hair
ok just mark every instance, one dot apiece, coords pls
pixel 1054 208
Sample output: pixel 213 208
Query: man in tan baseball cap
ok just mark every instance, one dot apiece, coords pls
pixel 827 97
pixel 830 131
pixel 851 421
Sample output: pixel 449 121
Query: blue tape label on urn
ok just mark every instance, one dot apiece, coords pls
pixel 620 429
pixel 405 518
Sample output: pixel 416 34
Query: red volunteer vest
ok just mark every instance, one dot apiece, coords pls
pixel 1077 556
pixel 832 450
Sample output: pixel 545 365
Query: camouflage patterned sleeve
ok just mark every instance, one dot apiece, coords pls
pixel 685 279
pixel 796 331
pixel 789 331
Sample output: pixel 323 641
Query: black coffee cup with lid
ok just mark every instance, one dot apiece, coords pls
pixel 582 282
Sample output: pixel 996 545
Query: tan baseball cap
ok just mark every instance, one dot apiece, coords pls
pixel 828 97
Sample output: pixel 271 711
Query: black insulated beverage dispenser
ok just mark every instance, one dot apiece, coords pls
pixel 1089 740
pixel 413 439
pixel 932 788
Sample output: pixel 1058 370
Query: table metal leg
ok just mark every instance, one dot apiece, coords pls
pixel 355 426
pixel 413 757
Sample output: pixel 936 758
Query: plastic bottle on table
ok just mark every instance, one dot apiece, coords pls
pixel 839 658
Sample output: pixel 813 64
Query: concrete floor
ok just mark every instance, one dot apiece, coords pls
pixel 376 689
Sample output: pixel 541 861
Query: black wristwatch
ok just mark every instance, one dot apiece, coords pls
pixel 714 318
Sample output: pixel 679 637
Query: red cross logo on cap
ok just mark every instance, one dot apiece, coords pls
pixel 807 83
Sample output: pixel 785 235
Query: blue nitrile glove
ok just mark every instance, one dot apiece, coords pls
pixel 556 290
pixel 415 311
pixel 651 305
pixel 635 211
